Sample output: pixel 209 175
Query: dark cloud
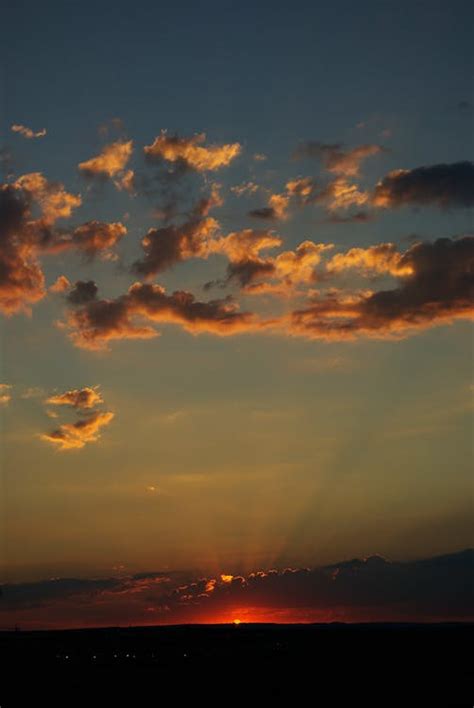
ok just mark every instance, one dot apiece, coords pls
pixel 286 270
pixel 97 322
pixel 266 213
pixel 436 286
pixel 277 208
pixel 24 238
pixel 168 245
pixel 443 185
pixel 371 589
pixel 21 278
pixel 82 292
pixel 359 217
pixel 247 271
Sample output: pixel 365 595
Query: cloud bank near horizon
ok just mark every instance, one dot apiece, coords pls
pixel 365 590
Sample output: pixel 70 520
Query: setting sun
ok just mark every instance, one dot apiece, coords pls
pixel 236 621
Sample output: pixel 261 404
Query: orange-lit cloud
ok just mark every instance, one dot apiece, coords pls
pixel 125 181
pixel 98 322
pixel 91 239
pixel 276 210
pixel 110 162
pixel 22 282
pixel 341 194
pixel 73 436
pixel 383 258
pixel 436 287
pixel 51 197
pixel 168 245
pixel 28 133
pixel 271 274
pixel 304 188
pixel 24 238
pixel 246 188
pixel 244 245
pixel 336 158
pixel 60 285
pixel 5 395
pixel 298 266
pixel 191 152
pixel 80 399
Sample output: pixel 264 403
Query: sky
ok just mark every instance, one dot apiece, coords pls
pixel 236 253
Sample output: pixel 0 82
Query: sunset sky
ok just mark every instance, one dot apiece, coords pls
pixel 236 253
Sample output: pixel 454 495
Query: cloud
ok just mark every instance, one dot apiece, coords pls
pixel 22 281
pixel 53 200
pixel 27 133
pixel 303 188
pixel 276 209
pixel 246 188
pixel 126 182
pixel 243 249
pixel 246 244
pixel 191 153
pixel 24 238
pixel 83 291
pixel 110 162
pixel 443 185
pixel 5 395
pixel 285 270
pixel 298 266
pixel 436 287
pixel 78 398
pixel 341 194
pixel 364 590
pixel 98 322
pixel 358 217
pixel 380 259
pixel 72 436
pixel 337 194
pixel 336 158
pixel 91 239
pixel 166 246
pixel 60 285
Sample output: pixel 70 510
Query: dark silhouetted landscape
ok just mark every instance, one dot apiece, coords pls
pixel 406 664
